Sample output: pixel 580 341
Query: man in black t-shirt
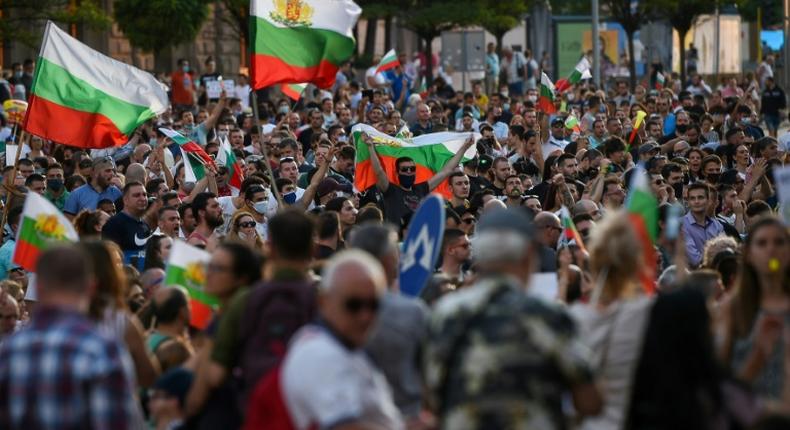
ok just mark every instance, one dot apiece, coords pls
pixel 210 76
pixel 127 228
pixel 403 198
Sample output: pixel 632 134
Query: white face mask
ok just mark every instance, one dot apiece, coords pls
pixel 261 206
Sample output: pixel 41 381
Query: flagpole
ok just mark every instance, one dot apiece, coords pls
pixel 9 189
pixel 257 123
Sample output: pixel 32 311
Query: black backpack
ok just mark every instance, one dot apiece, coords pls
pixel 274 312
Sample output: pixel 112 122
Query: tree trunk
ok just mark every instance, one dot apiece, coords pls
pixel 370 37
pixel 631 62
pixel 387 33
pixel 428 60
pixel 682 35
pixel 499 37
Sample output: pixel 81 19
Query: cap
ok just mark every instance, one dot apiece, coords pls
pixel 175 382
pixel 468 115
pixel 515 220
pixel 484 162
pixel 328 185
pixel 103 162
pixel 556 121
pixel 647 147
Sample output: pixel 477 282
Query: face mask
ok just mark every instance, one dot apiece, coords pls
pixel 406 181
pixel 506 107
pixel 342 138
pixel 678 190
pixel 40 171
pixel 571 97
pixel 682 128
pixel 262 206
pixel 185 69
pixel 283 109
pixel 290 198
pixel 504 93
pixel 532 98
pixel 746 121
pixel 17 75
pixel 55 184
pixel 222 134
pixel 152 142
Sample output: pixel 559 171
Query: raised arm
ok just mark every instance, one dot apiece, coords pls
pixel 448 168
pixel 211 121
pixel 382 182
pixel 309 192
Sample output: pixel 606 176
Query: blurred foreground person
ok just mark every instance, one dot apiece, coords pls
pixel 496 357
pixel 60 372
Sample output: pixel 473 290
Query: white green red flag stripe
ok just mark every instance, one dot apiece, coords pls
pixel 660 80
pixel 83 98
pixel 226 157
pixel 388 61
pixel 187 267
pixel 569 229
pixel 300 40
pixel 429 151
pixel 293 91
pixel 642 207
pixel 193 155
pixel 580 71
pixel 40 227
pixel 572 123
pixel 546 95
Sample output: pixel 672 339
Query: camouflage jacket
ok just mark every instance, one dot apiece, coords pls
pixel 497 358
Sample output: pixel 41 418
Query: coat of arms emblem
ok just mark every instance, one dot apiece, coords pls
pixel 292 13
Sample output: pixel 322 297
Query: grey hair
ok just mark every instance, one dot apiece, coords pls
pixel 378 240
pixel 355 258
pixel 499 246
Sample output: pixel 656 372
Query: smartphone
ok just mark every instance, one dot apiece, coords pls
pixel 672 228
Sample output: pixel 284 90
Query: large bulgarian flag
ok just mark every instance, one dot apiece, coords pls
pixel 42 226
pixel 226 157
pixel 193 155
pixel 546 95
pixel 187 267
pixel 642 207
pixel 300 40
pixel 429 151
pixel 82 98
pixel 581 71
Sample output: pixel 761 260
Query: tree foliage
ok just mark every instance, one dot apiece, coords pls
pixel 23 20
pixel 500 16
pixel 631 17
pixel 237 15
pixel 681 15
pixel 771 10
pixel 153 25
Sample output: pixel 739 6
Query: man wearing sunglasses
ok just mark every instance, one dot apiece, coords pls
pixel 327 378
pixel 404 197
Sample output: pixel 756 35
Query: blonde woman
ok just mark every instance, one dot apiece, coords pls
pixel 243 230
pixel 614 322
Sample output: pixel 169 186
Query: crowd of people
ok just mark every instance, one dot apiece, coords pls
pixel 311 330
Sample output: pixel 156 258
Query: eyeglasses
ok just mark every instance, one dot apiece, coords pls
pixel 354 305
pixel 248 224
pixel 408 169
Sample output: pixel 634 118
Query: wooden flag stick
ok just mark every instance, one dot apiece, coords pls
pixel 10 189
pixel 257 123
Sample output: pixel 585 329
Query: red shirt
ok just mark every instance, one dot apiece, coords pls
pixel 183 88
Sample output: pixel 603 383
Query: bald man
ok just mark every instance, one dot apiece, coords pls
pixel 169 341
pixel 548 230
pixel 327 379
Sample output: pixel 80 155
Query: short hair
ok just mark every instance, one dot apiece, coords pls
pixel 164 209
pixel 200 202
pixel 152 186
pixel 699 186
pixel 374 238
pixel 565 156
pixel 710 159
pixel 63 268
pixel 35 177
pixel 14 214
pixel 756 208
pixel 291 235
pixel 328 225
pixel 361 260
pixel 402 160
pixel 370 214
pixel 167 311
pixel 182 209
pixel 247 262
pixel 25 162
pixel 669 168
pixel 455 174
pixel 450 236
pixel 612 145
pixel 129 185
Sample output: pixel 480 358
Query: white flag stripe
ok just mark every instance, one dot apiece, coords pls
pixel 339 16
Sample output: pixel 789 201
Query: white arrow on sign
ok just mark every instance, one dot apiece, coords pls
pixel 423 241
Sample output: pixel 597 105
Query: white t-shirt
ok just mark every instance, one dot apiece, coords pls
pixel 784 142
pixel 381 80
pixel 324 383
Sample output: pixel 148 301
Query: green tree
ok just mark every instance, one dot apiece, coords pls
pixel 771 10
pixel 500 16
pixel 23 20
pixel 630 18
pixel 571 7
pixel 429 18
pixel 681 14
pixel 153 25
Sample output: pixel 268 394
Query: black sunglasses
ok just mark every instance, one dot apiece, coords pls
pixel 247 224
pixel 355 305
pixel 408 169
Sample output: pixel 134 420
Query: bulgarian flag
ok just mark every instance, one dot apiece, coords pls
pixel 572 123
pixel 638 120
pixel 42 226
pixel 581 71
pixel 187 267
pixel 194 156
pixel 569 229
pixel 226 157
pixel 293 91
pixel 660 80
pixel 300 40
pixel 82 98
pixel 389 61
pixel 642 207
pixel 429 151
pixel 546 96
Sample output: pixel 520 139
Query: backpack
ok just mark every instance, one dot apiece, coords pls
pixel 274 312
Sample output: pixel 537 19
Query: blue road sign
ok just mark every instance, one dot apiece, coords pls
pixel 422 246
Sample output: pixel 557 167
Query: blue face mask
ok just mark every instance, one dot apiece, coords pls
pixel 290 198
pixel 185 69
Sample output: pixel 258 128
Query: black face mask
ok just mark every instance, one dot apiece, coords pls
pixel 713 178
pixel 681 128
pixel 406 181
pixel 55 184
pixel 678 190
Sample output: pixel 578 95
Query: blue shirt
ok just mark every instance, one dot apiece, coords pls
pixel 86 197
pixel 397 84
pixel 492 64
pixel 6 254
pixel 669 124
pixel 697 235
